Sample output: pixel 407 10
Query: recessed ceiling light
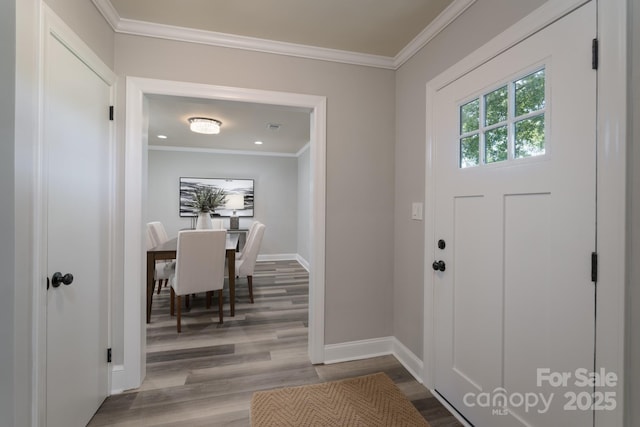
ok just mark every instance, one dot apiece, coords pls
pixel 258 142
pixel 162 136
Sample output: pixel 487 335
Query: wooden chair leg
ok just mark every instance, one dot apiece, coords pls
pixel 179 313
pixel 220 304
pixel 187 303
pixel 250 285
pixel 208 299
pixel 172 302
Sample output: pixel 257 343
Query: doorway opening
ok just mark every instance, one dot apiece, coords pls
pixel 132 372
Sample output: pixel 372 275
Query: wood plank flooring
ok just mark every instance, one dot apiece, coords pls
pixel 205 376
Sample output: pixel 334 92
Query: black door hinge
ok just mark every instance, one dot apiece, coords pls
pixel 108 355
pixel 594 54
pixel 594 267
pixel 111 112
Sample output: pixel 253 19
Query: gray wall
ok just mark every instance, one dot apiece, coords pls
pixel 632 368
pixel 7 217
pixel 87 22
pixel 304 205
pixel 359 258
pixel 275 187
pixel 477 25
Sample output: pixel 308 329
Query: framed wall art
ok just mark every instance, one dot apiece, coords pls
pixel 239 192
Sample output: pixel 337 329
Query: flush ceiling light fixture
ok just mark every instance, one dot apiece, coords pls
pixel 204 125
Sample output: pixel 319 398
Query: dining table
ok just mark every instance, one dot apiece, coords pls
pixel 168 251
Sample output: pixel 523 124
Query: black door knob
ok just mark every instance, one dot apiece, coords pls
pixel 57 279
pixel 438 265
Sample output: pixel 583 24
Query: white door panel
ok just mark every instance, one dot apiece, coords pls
pixel 516 294
pixel 76 141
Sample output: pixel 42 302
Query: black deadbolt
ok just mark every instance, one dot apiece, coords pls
pixel 441 244
pixel 438 265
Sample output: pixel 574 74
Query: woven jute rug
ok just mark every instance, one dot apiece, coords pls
pixel 369 401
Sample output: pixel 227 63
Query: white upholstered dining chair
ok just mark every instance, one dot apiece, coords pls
pixel 158 233
pixel 163 269
pixel 247 263
pixel 200 259
pixel 250 233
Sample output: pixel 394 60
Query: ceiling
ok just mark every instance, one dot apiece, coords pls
pixel 281 129
pixel 378 27
pixel 359 31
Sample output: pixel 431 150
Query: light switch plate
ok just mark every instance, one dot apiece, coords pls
pixel 416 211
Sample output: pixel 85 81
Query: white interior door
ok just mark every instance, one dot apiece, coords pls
pixel 76 138
pixel 515 171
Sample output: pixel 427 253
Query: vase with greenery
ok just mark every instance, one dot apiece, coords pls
pixel 205 201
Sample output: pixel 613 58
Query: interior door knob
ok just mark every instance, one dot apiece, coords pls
pixel 438 265
pixel 57 279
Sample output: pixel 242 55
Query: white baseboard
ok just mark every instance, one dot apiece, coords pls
pixel 365 349
pixel 356 350
pixel 285 257
pixel 277 257
pixel 118 380
pixel 303 262
pixel 410 361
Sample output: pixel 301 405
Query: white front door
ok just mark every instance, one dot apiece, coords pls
pixel 515 204
pixel 76 138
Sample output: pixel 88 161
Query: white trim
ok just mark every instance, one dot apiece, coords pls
pixel 543 16
pixel 410 361
pixel 134 295
pixel 190 35
pixel 611 175
pixel 118 380
pixel 442 21
pixel 108 11
pixel 304 148
pixel 611 207
pixel 135 149
pixel 277 257
pixel 318 172
pixel 357 350
pixel 375 347
pixel 303 262
pixel 220 151
pixel 65 35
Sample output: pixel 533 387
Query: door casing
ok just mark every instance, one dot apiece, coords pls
pixel 131 373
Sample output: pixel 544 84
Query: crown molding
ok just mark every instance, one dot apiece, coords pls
pixel 108 11
pixel 222 151
pixel 233 41
pixel 441 22
pixel 170 32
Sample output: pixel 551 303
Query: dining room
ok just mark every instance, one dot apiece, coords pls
pixel 277 170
